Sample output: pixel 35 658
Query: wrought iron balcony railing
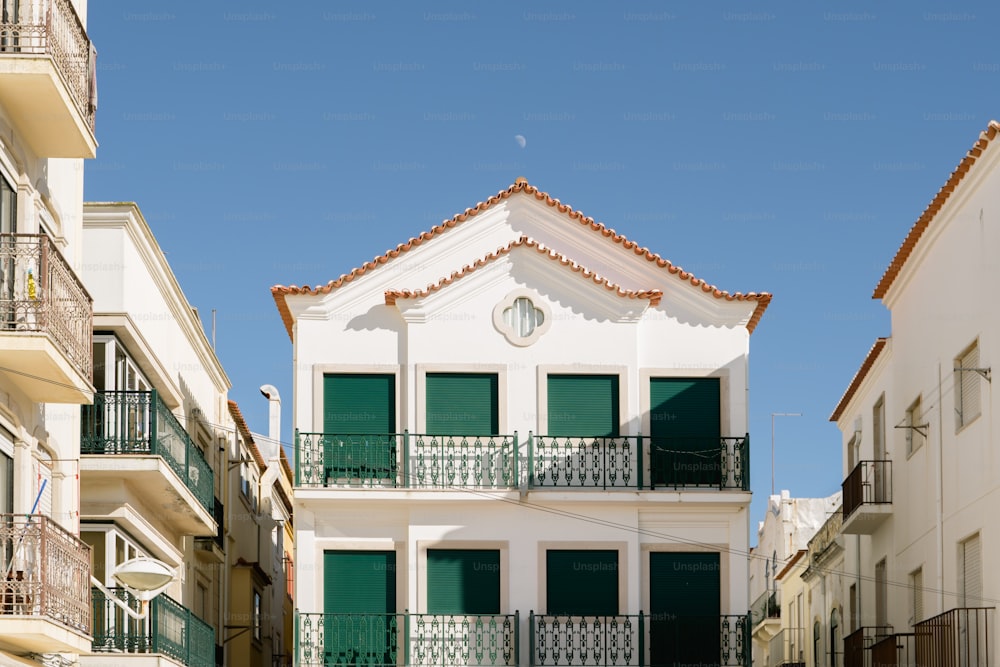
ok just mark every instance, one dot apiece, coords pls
pixel 52 28
pixel 417 640
pixel 767 605
pixel 858 644
pixel 869 483
pixel 406 460
pixel 40 293
pixel 956 638
pixel 638 640
pixel 619 462
pixel 495 462
pixel 896 650
pixel 787 648
pixel 131 423
pixel 169 629
pixel 46 572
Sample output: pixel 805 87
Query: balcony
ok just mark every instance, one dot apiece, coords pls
pixel 407 460
pixel 47 77
pixel 858 645
pixel 896 650
pixel 956 638
pixel 170 630
pixel 638 640
pixel 867 494
pixel 44 604
pixel 787 648
pixel 388 640
pixel 130 439
pixel 46 321
pixel 765 615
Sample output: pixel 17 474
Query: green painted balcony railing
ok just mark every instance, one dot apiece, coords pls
pixel 660 640
pixel 406 460
pixel 170 629
pixel 130 423
pixel 619 462
pixel 495 461
pixel 412 640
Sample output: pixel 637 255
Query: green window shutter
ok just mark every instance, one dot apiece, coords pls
pixel 463 581
pixel 584 405
pixel 359 582
pixel 359 605
pixel 581 582
pixel 684 420
pixel 684 604
pixel 359 404
pixel 462 404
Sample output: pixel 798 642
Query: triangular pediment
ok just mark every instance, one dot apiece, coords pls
pixel 521 211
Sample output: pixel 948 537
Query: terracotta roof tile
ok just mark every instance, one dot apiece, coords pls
pixel 521 186
pixel 654 296
pixel 241 424
pixel 925 219
pixel 859 377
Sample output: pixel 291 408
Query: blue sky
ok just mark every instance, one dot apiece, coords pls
pixel 781 146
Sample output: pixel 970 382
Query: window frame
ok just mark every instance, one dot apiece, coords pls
pixel 914 419
pixel 968 389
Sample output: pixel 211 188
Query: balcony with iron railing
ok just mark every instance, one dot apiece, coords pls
pixel 766 611
pixel 418 640
pixel 858 645
pixel 898 650
pixel 638 640
pixel 44 587
pixel 867 494
pixel 503 462
pixel 132 440
pixel 170 629
pixel 388 640
pixel 46 322
pixel 787 648
pixel 960 637
pixel 48 77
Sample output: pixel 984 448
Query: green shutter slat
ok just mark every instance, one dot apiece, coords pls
pixel 462 404
pixel 359 404
pixel 359 581
pixel 684 604
pixel 584 405
pixel 463 581
pixel 684 421
pixel 581 582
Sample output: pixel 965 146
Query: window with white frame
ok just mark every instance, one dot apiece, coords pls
pixel 967 400
pixel 914 427
pixel 970 572
pixel 881 594
pixel 916 596
pixel 878 429
pixel 248 484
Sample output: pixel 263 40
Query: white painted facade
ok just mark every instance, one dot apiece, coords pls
pixel 46 114
pixel 609 310
pixel 154 483
pixel 788 525
pixel 933 522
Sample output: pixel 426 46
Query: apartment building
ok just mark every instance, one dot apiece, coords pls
pixel 521 438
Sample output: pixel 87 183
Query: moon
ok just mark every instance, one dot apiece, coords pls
pixel 521 141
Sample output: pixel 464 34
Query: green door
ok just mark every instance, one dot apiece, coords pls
pixel 684 420
pixel 684 605
pixel 463 581
pixel 359 605
pixel 583 405
pixel 462 404
pixel 581 582
pixel 359 423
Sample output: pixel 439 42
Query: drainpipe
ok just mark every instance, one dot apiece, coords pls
pixel 939 496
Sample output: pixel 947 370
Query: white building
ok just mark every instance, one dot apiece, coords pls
pixel 47 100
pixel 153 448
pixel 523 430
pixel 788 525
pixel 921 462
